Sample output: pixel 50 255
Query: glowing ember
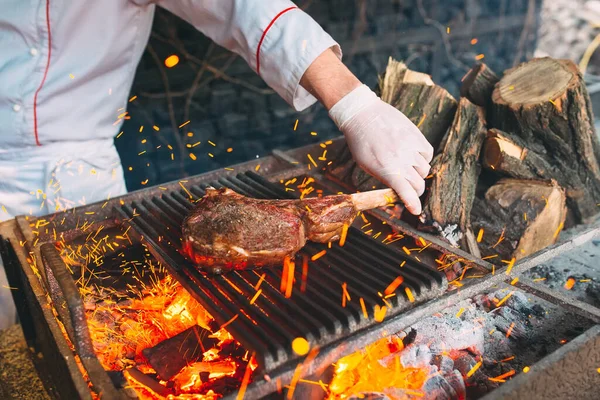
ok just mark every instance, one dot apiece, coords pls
pixel 171 61
pixel 126 319
pixel 300 346
pixel 569 283
pixel 120 333
pixel 366 371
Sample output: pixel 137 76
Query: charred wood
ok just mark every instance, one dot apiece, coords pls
pixel 171 355
pixel 149 382
pixel 455 172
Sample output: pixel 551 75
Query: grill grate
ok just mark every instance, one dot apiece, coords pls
pixel 269 326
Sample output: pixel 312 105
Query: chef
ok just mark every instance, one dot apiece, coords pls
pixel 66 69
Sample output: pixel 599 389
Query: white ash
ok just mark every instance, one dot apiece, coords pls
pixel 580 264
pixel 449 232
pixel 505 338
pixel 443 334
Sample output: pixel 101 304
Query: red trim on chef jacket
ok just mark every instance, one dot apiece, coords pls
pixel 265 34
pixel 35 128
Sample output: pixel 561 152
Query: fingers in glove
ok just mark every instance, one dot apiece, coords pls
pixel 415 180
pixel 406 192
pixel 422 166
pixel 427 150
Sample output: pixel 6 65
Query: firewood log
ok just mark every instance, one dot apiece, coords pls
pixel 478 85
pixel 455 171
pixel 508 154
pixel 518 217
pixel 544 108
pixel 171 355
pixel 426 104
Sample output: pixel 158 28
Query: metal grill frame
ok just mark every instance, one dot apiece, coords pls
pixel 60 373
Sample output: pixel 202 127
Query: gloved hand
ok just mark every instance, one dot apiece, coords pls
pixel 385 143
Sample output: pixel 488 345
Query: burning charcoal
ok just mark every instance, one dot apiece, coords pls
pixel 146 380
pixel 416 356
pixel 369 396
pixel 457 382
pixel 513 329
pixel 410 337
pixel 221 385
pixel 518 302
pixel 444 363
pixel 232 349
pixel 170 356
pixel 483 301
pixel 454 272
pixel 512 315
pixel 118 378
pixel 213 325
pixel 194 375
pixel 437 387
pixel 464 363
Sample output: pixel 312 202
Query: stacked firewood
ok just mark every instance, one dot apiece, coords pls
pixel 517 156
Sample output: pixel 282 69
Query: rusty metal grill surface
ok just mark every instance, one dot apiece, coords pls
pixel 269 326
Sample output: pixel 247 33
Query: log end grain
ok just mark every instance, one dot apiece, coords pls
pixel 537 81
pixel 519 217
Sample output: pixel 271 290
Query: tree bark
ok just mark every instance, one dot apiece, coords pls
pixel 478 85
pixel 426 104
pixel 509 155
pixel 518 217
pixel 455 172
pixel 544 103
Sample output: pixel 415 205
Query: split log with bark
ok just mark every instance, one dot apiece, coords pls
pixel 518 217
pixel 478 85
pixel 543 108
pixel 455 172
pixel 426 104
pixel 542 136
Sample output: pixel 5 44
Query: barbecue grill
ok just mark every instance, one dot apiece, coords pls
pixel 267 325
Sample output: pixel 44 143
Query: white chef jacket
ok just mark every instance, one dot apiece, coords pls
pixel 66 69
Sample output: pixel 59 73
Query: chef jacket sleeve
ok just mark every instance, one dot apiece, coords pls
pixel 277 39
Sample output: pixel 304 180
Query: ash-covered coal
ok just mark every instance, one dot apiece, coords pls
pixel 472 347
pixel 574 274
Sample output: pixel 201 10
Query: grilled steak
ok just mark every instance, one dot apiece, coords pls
pixel 228 231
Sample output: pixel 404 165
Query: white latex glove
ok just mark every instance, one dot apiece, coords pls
pixel 385 143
